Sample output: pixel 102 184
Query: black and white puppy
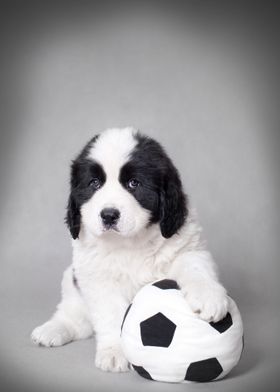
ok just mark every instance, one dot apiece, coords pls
pixel 131 225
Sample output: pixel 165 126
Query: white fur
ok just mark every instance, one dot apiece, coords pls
pixel 111 266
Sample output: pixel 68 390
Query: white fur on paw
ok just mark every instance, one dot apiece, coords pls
pixel 111 359
pixel 51 334
pixel 209 301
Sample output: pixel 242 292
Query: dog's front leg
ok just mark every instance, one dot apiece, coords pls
pixel 195 272
pixel 107 308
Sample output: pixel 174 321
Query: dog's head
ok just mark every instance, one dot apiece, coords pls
pixel 121 183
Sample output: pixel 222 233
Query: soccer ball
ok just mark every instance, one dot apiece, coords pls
pixel 164 340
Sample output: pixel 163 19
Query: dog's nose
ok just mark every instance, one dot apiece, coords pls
pixel 110 216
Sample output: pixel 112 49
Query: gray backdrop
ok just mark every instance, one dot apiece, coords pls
pixel 202 79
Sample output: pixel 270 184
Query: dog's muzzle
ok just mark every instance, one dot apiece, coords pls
pixel 110 217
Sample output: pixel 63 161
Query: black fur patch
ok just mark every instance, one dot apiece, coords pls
pixel 75 280
pixel 160 190
pixel 83 170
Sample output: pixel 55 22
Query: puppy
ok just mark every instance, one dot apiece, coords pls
pixel 130 225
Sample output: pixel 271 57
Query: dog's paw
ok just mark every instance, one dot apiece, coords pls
pixel 111 359
pixel 209 301
pixel 51 334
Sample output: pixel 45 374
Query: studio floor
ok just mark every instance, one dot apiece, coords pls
pixel 26 367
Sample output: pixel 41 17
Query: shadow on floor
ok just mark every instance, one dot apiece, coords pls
pixel 250 359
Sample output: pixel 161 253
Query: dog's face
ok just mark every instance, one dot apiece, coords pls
pixel 121 183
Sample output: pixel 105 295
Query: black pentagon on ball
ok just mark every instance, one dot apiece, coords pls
pixel 224 324
pixel 143 372
pixel 157 331
pixel 204 371
pixel 124 317
pixel 166 284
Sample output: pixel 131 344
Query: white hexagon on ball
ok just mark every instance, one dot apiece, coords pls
pixel 165 341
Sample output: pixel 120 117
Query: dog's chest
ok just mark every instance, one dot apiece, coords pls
pixel 128 269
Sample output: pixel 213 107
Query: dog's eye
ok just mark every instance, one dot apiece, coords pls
pixel 133 183
pixel 95 183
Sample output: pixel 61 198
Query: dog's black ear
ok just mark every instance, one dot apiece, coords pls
pixel 173 204
pixel 73 217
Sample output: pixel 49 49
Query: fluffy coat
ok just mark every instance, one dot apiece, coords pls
pixel 154 235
